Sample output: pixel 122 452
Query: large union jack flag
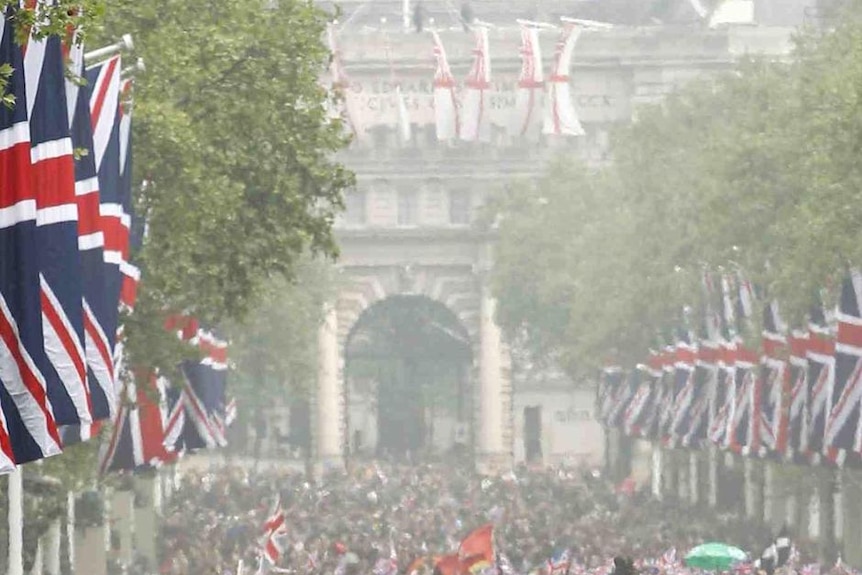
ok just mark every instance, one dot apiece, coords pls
pixel 91 242
pixel 684 386
pixel 775 384
pixel 843 434
pixel 53 179
pixel 641 408
pixel 821 378
pixel 798 414
pixel 28 429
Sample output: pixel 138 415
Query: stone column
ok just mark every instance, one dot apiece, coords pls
pixel 70 527
pixel 852 545
pixel 826 515
pixel 682 478
pixel 52 548
pixel 123 518
pixel 612 453
pixel 694 477
pixel 657 470
pixel 753 488
pixel 328 416
pixel 15 517
pixel 491 452
pixel 712 480
pixel 91 556
pixel 147 490
pixel 39 559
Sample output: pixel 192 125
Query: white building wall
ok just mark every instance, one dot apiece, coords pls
pixel 570 433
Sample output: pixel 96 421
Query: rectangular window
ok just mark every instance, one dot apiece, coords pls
pixel 355 208
pixel 407 208
pixel 460 207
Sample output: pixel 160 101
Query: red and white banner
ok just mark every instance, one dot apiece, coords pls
pixel 561 119
pixel 476 126
pixel 445 99
pixel 526 119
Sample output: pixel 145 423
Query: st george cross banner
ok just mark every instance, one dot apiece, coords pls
pixel 28 430
pixel 526 121
pixel 476 119
pixel 446 118
pixel 843 432
pixel 560 117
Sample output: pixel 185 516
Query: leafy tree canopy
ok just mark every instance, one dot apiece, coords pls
pixel 756 170
pixel 232 136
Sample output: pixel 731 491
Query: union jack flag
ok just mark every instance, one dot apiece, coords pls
pixel 843 434
pixel 610 382
pixel 775 384
pixel 274 529
pixel 798 416
pixel 91 240
pixel 724 401
pixel 641 407
pixel 53 180
pixel 103 79
pixel 625 393
pixel 684 387
pixel 28 429
pixel 196 416
pixel 821 378
pixel 137 438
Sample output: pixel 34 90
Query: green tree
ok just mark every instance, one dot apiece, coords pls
pixel 274 348
pixel 755 170
pixel 232 136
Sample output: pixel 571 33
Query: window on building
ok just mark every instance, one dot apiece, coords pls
pixel 355 213
pixel 460 206
pixel 407 208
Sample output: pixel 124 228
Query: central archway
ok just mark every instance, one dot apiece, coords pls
pixel 408 363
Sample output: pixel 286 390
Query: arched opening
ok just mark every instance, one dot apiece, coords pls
pixel 407 371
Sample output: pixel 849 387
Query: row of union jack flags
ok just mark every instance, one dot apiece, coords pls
pixel 159 420
pixel 795 395
pixel 65 221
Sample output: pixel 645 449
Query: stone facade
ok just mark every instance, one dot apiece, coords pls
pixel 414 223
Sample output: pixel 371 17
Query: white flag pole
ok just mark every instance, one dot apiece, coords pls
pixel 16 523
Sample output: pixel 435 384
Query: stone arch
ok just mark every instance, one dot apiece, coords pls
pixel 455 287
pixel 462 289
pixel 436 405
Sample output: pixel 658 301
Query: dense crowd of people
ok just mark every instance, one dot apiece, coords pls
pixel 345 524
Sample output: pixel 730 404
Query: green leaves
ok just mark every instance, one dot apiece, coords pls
pixel 755 170
pixel 231 134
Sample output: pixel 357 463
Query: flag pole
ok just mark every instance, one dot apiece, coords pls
pixel 125 43
pixel 16 522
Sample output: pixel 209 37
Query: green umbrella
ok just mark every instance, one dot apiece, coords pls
pixel 715 557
